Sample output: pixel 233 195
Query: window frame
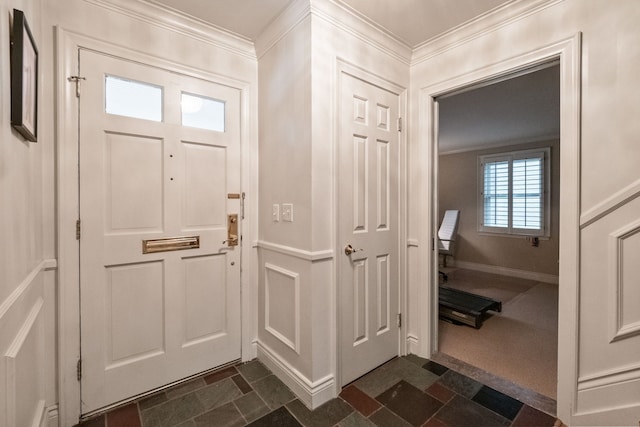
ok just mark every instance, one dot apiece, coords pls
pixel 545 154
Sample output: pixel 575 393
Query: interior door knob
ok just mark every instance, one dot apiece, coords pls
pixel 348 250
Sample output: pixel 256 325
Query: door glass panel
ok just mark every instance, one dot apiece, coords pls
pixel 202 112
pixel 133 99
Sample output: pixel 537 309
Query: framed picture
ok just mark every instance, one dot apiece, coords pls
pixel 24 79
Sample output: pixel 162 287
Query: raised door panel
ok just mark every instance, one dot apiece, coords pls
pixel 134 183
pixel 205 177
pixel 205 299
pixel 135 312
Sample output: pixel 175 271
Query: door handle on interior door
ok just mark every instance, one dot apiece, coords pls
pixel 348 250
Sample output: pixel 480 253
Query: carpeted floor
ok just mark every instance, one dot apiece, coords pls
pixel 521 343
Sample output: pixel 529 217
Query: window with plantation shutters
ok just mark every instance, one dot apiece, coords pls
pixel 514 196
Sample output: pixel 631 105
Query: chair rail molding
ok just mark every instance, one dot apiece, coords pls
pixel 312 256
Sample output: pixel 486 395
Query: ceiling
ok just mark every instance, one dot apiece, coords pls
pixel 412 21
pixel 246 18
pixel 518 110
pixel 512 111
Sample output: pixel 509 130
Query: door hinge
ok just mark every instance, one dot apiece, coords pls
pixel 79 369
pixel 78 229
pixel 399 124
pixel 76 80
pixel 399 320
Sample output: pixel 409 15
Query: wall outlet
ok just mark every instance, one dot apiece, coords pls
pixel 287 212
pixel 275 213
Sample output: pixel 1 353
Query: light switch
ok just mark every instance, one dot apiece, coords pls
pixel 287 212
pixel 275 213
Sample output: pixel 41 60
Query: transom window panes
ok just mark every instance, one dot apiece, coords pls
pixel 514 195
pixel 202 112
pixel 130 98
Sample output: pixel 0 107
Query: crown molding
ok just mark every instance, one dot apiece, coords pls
pixel 283 24
pixel 479 26
pixel 352 22
pixel 338 15
pixel 490 145
pixel 170 19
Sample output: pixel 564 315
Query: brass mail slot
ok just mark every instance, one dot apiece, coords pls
pixel 170 244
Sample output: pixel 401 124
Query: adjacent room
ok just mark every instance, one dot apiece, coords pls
pixel 499 163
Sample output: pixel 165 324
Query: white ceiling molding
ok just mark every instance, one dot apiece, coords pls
pixel 293 14
pixel 339 15
pixel 488 22
pixel 349 20
pixel 490 145
pixel 172 20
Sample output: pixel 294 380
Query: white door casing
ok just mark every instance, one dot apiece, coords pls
pixel 152 319
pixel 368 196
pixel 567 51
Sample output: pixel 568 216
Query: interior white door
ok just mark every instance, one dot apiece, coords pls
pixel 159 159
pixel 368 222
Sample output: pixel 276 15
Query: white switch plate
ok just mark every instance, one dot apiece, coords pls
pixel 287 212
pixel 275 213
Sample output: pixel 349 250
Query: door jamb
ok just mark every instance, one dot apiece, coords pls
pixel 67 48
pixel 568 51
pixel 345 67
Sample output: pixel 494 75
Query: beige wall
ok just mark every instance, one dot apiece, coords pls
pixel 458 189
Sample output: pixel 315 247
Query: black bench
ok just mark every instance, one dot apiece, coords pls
pixel 465 307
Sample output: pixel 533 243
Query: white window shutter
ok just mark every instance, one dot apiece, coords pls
pixel 527 193
pixel 496 194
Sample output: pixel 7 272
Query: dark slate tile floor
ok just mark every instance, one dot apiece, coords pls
pixel 407 391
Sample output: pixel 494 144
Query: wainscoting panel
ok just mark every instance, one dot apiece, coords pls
pixel 624 269
pixel 609 376
pixel 22 348
pixel 282 305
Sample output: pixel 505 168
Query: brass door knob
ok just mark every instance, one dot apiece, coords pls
pixel 348 250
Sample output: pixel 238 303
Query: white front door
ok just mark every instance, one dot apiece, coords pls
pixel 159 175
pixel 368 222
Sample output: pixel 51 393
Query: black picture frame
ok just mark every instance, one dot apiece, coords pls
pixel 24 78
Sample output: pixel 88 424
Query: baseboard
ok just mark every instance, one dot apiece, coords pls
pixel 40 415
pixel 250 352
pixel 506 271
pixel 52 416
pixel 412 344
pixel 312 394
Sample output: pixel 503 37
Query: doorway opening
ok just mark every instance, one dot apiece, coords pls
pixel 498 163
